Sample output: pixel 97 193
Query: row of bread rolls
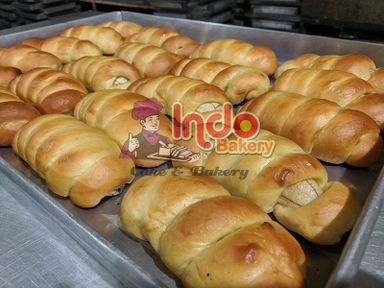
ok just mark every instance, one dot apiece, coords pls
pixel 292 184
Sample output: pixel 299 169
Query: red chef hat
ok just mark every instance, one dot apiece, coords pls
pixel 143 109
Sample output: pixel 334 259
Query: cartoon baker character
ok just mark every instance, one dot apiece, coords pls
pixel 149 143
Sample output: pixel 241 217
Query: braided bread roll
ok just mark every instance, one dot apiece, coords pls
pixel 358 64
pixel 111 111
pixel 107 39
pixel 125 28
pixel 238 82
pixel 14 114
pixel 27 58
pixel 103 72
pixel 165 38
pixel 150 60
pixel 238 52
pixel 288 182
pixel 76 161
pixel 322 128
pixel 67 49
pixel 7 74
pixel 208 238
pixel 377 80
pixel 193 95
pixel 340 87
pixel 49 90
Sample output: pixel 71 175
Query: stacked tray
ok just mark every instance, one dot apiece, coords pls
pixel 36 10
pixel 204 10
pixel 275 14
pixel 8 14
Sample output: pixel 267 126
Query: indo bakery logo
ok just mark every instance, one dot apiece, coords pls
pixel 149 144
pixel 221 131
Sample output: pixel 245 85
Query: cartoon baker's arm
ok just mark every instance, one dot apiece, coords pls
pixel 129 148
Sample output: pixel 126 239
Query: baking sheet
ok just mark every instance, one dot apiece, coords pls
pixel 133 261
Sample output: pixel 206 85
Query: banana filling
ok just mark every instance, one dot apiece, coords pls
pixel 300 194
pixel 120 81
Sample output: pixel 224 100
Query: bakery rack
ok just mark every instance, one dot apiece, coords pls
pixel 133 262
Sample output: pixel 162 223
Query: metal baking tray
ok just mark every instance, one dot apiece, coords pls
pixel 133 262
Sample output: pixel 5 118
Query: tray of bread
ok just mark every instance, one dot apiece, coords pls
pixel 181 153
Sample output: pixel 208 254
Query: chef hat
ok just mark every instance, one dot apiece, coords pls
pixel 143 109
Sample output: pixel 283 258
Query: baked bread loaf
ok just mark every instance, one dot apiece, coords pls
pixel 125 28
pixel 193 95
pixel 7 74
pixel 14 114
pixel 358 64
pixel 111 111
pixel 377 80
pixel 49 90
pixel 150 60
pixel 167 39
pixel 322 128
pixel 107 39
pixel 103 72
pixel 26 58
pixel 76 161
pixel 283 181
pixel 67 49
pixel 238 52
pixel 237 81
pixel 340 87
pixel 208 238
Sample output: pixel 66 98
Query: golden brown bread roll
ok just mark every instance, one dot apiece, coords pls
pixel 358 64
pixel 150 60
pixel 340 87
pixel 14 114
pixel 76 161
pixel 322 128
pixel 103 72
pixel 49 90
pixel 192 94
pixel 238 52
pixel 208 238
pixel 125 28
pixel 111 111
pixel 237 81
pixel 7 74
pixel 67 49
pixel 167 39
pixel 377 80
pixel 107 39
pixel 26 58
pixel 284 177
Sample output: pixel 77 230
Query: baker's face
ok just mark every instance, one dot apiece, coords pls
pixel 151 123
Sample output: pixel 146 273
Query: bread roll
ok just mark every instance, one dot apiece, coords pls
pixel 75 160
pixel 208 238
pixel 111 111
pixel 193 95
pixel 238 82
pixel 7 74
pixel 150 60
pixel 49 90
pixel 103 72
pixel 340 87
pixel 377 80
pixel 14 114
pixel 287 178
pixel 67 49
pixel 27 58
pixel 167 39
pixel 358 64
pixel 107 39
pixel 125 28
pixel 322 128
pixel 238 52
